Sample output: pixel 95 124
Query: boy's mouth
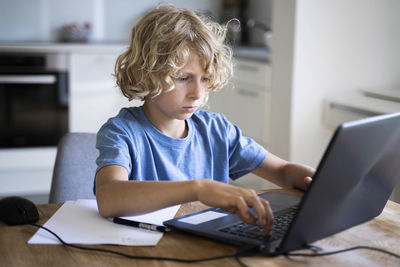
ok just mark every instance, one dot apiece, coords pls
pixel 190 109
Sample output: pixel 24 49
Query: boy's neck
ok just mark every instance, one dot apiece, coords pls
pixel 170 127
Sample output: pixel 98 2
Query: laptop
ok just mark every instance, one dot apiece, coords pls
pixel 352 184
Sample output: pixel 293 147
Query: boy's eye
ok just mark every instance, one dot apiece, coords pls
pixel 182 79
pixel 206 79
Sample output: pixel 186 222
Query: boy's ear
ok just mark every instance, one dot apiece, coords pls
pixel 135 72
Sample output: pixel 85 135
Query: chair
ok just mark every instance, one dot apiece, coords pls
pixel 74 168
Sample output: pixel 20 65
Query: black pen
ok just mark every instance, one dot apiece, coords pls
pixel 141 225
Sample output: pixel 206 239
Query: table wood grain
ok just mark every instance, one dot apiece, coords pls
pixel 381 232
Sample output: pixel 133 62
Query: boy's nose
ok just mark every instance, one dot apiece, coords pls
pixel 197 90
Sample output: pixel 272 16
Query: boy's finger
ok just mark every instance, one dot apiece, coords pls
pixel 269 217
pixel 243 211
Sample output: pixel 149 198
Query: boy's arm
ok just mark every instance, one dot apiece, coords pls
pixel 285 174
pixel 117 196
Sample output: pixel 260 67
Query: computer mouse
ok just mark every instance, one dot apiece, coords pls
pixel 17 210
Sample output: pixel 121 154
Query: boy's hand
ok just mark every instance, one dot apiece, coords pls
pixel 307 181
pixel 236 200
pixel 285 174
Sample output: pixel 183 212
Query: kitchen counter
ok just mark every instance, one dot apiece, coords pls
pixel 360 101
pixel 355 105
pixel 245 52
pixel 56 47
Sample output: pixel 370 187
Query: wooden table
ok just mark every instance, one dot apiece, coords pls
pixel 382 232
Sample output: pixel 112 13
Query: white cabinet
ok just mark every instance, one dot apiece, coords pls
pixel 246 102
pixel 94 96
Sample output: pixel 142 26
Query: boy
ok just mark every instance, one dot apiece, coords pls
pixel 169 152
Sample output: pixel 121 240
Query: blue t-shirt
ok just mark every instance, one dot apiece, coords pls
pixel 214 148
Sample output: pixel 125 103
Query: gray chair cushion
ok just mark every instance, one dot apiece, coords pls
pixel 74 168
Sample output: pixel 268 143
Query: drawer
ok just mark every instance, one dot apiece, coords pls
pixel 92 68
pixel 26 171
pixel 245 86
pixel 252 72
pixel 250 111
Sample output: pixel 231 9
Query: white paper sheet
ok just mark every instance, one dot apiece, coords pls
pixel 79 222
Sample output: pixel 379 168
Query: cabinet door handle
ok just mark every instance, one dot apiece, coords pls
pixel 248 68
pixel 24 79
pixel 353 110
pixel 247 93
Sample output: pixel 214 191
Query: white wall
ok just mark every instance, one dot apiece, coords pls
pixel 283 25
pixel 120 15
pixel 339 46
pixel 112 20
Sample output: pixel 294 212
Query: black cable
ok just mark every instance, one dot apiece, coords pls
pixel 239 260
pixel 246 251
pixel 236 255
pixel 342 251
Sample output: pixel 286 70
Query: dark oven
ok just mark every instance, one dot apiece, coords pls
pixel 33 99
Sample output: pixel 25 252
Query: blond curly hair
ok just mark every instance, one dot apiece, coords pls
pixel 160 47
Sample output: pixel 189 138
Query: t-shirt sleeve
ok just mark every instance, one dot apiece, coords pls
pixel 245 154
pixel 114 145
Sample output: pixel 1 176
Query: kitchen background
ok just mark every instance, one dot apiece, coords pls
pixel 321 59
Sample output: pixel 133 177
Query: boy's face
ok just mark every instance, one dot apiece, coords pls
pixel 191 86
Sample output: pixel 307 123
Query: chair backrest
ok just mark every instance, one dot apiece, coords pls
pixel 74 168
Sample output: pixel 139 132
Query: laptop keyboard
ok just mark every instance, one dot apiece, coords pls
pixel 280 226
